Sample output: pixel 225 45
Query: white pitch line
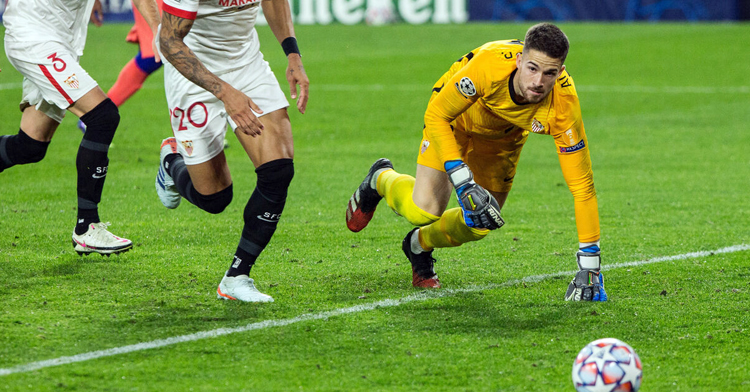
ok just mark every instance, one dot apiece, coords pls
pixel 421 296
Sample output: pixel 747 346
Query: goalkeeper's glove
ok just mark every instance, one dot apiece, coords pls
pixel 588 284
pixel 480 208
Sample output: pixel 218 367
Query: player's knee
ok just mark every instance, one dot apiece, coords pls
pixel 274 178
pixel 22 149
pixel 101 122
pixel 217 202
pixel 146 64
pixel 466 234
pixel 476 234
pixel 417 217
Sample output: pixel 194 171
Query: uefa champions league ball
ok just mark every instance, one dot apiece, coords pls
pixel 607 365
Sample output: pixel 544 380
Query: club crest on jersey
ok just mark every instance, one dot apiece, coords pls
pixel 537 127
pixel 575 148
pixel 466 87
pixel 72 81
pixel 425 144
pixel 188 146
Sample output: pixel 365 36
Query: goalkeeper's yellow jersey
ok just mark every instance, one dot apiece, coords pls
pixel 478 92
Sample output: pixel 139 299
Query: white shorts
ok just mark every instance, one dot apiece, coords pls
pixel 199 119
pixel 52 78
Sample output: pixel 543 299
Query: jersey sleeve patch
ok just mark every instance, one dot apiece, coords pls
pixel 566 150
pixel 466 87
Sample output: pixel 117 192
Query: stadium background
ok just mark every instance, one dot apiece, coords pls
pixel 462 11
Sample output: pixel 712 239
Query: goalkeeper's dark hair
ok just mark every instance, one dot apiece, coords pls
pixel 548 39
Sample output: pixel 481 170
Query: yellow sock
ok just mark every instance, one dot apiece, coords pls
pixel 450 230
pixel 397 190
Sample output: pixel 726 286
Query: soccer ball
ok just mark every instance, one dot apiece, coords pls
pixel 607 365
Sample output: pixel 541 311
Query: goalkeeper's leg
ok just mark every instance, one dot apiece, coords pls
pixel 449 231
pixel 398 190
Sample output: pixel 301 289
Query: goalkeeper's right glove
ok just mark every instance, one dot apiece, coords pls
pixel 480 208
pixel 588 284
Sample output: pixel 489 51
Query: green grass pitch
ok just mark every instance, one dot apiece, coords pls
pixel 666 113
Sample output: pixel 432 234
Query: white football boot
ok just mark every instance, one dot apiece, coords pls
pixel 165 187
pixel 240 288
pixel 97 239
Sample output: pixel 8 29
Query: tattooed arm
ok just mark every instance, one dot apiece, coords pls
pixel 279 18
pixel 176 52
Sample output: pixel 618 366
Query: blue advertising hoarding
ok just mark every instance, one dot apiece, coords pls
pixel 378 12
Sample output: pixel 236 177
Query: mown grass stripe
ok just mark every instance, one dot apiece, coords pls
pixel 421 296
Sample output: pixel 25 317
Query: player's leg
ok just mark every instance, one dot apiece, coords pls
pixel 192 163
pixel 92 163
pixel 361 206
pixel 383 182
pixel 30 144
pixel 42 106
pixel 207 185
pixel 131 78
pixel 272 153
pixel 493 164
pixel 430 193
pixel 135 72
pixel 54 81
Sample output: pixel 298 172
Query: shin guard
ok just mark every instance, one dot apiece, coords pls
pixel 262 213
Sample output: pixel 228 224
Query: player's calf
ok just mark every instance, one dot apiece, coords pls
pixel 262 213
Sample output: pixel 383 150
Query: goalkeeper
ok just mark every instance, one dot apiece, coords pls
pixel 478 118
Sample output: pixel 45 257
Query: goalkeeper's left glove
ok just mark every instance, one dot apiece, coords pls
pixel 588 284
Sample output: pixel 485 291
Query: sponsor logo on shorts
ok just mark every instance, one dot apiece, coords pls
pixel 72 81
pixel 466 87
pixel 188 146
pixel 425 144
pixel 537 126
pixel 575 148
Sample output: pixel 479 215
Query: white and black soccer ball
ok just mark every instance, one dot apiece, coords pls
pixel 607 365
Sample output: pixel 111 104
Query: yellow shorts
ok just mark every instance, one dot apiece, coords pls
pixel 493 161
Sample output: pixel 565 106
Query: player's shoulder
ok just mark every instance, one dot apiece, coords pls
pixel 564 86
pixel 498 58
pixel 504 51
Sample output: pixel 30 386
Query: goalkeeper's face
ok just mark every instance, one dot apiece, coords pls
pixel 536 76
